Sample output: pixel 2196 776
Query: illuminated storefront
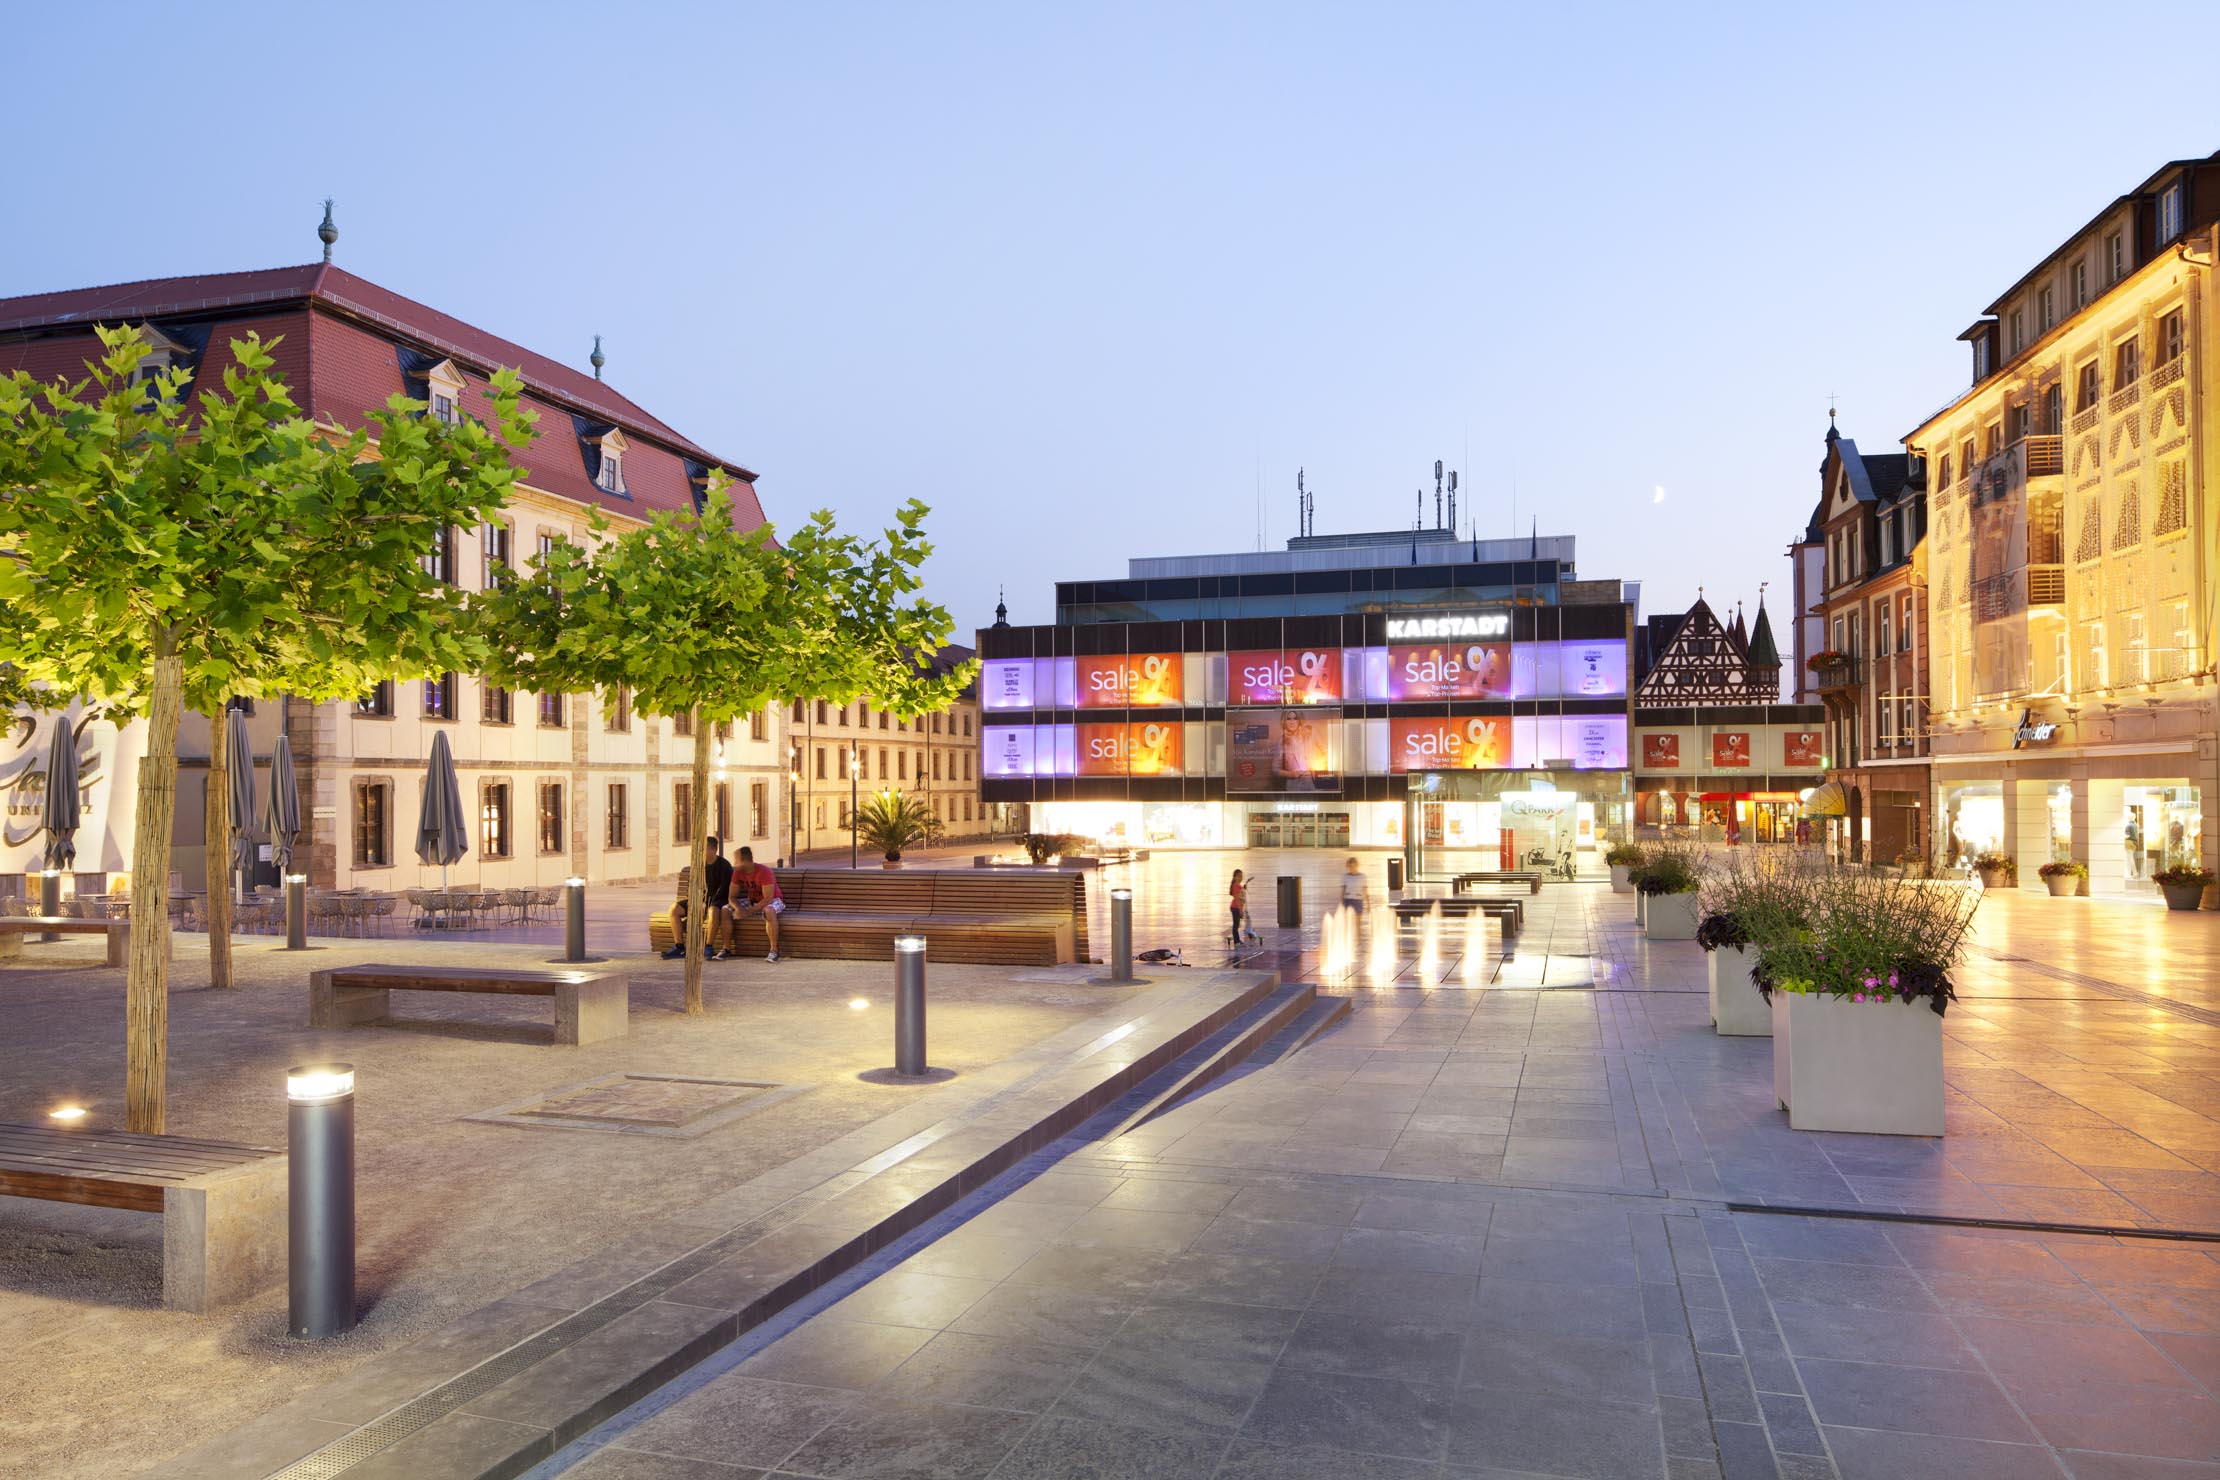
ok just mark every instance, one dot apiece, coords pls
pixel 1728 774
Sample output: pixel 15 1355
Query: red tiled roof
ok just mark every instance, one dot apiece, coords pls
pixel 344 356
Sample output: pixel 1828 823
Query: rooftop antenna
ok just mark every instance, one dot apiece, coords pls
pixel 1302 505
pixel 1419 521
pixel 597 359
pixel 1437 493
pixel 1452 501
pixel 327 233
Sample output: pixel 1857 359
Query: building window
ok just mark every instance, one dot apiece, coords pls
pixel 682 724
pixel 967 765
pixel 495 705
pixel 1981 357
pixel 2173 498
pixel 1888 541
pixel 883 772
pixel 2169 212
pixel 2138 649
pixel 724 730
pixel 759 724
pixel 2170 338
pixel 620 711
pixel 818 820
pixel 720 800
pixel 1907 730
pixel 2018 322
pixel 936 722
pixel 494 540
pixel 2015 423
pixel 759 806
pixel 618 832
pixel 2088 387
pixel 439 697
pixel 1945 465
pixel 882 719
pixel 2078 283
pixel 2091 543
pixel 1904 628
pixel 2127 363
pixel 2115 256
pixel 901 765
pixel 967 809
pixel 2051 420
pixel 2092 655
pixel 551 712
pixel 820 763
pixel 794 712
pixel 1884 723
pixel 967 724
pixel 682 812
pixel 373 824
pixel 844 716
pixel 552 839
pixel 1881 643
pixel 493 819
pixel 547 542
pixel 378 703
pixel 439 564
pixel 609 474
pixel 2046 308
pixel 2181 657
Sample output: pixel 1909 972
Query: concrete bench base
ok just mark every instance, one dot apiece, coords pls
pixel 589 1006
pixel 118 933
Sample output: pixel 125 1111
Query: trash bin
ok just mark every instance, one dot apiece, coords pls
pixel 1395 874
pixel 1291 902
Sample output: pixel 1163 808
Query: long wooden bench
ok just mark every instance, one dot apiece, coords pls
pixel 1511 912
pixel 1034 918
pixel 1528 877
pixel 222 1205
pixel 14 927
pixel 589 1005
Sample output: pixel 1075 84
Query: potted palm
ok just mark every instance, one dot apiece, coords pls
pixel 1622 859
pixel 1997 870
pixel 1858 989
pixel 2063 877
pixel 1667 884
pixel 891 821
pixel 2184 885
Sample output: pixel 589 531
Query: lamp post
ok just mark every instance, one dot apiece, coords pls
pixel 320 1197
pixel 853 797
pixel 1121 935
pixel 793 804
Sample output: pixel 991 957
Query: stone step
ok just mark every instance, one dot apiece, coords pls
pixel 1282 1008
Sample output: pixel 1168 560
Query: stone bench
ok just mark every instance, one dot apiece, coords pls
pixel 14 927
pixel 1531 879
pixel 222 1205
pixel 1510 912
pixel 589 1005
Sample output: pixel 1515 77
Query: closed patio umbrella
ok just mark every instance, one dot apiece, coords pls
pixel 59 812
pixel 281 818
pixel 441 837
pixel 239 762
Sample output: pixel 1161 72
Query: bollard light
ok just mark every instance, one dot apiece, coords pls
pixel 296 912
pixel 1121 935
pixel 909 1004
pixel 320 1187
pixel 574 919
pixel 50 899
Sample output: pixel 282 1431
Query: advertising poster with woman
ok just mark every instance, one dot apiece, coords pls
pixel 1285 750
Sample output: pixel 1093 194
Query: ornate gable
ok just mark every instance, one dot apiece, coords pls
pixel 1703 664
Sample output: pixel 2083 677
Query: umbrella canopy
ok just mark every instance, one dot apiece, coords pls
pixel 281 818
pixel 441 837
pixel 239 763
pixel 1828 800
pixel 58 814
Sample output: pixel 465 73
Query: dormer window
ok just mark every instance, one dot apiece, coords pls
pixel 2169 212
pixel 162 356
pixel 609 472
pixel 444 387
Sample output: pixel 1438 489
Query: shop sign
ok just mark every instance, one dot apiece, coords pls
pixel 2028 732
pixel 1450 625
pixel 1294 806
pixel 1472 744
pixel 1730 749
pixel 1661 752
pixel 1479 670
pixel 1139 749
pixel 1803 748
pixel 1128 681
pixel 1296 676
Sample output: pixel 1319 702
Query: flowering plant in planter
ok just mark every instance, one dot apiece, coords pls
pixel 1997 868
pixel 1827 658
pixel 1748 897
pixel 2183 884
pixel 1668 869
pixel 1867 938
pixel 2063 868
pixel 1625 855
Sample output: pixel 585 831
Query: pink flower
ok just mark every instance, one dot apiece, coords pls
pixel 1872 982
pixel 1892 979
pixel 1857 997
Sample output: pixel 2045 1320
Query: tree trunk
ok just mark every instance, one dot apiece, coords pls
pixel 146 992
pixel 698 860
pixel 218 834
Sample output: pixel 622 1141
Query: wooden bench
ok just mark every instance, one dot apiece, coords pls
pixel 1511 912
pixel 589 1005
pixel 1528 877
pixel 1032 918
pixel 14 927
pixel 222 1205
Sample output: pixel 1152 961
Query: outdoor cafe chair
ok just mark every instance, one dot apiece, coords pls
pixel 382 907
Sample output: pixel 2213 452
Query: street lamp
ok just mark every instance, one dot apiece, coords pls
pixel 793 805
pixel 853 798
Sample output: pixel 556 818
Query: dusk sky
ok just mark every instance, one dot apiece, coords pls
pixel 1081 279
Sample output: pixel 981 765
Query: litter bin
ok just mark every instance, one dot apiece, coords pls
pixel 1291 902
pixel 1395 874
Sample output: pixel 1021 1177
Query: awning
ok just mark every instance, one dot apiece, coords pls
pixel 1827 800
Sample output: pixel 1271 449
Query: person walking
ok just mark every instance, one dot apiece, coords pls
pixel 1238 897
pixel 1356 890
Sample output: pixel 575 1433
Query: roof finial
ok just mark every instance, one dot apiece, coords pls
pixel 1001 608
pixel 597 359
pixel 327 233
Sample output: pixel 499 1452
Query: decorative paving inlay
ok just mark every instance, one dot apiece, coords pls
pixel 676 1105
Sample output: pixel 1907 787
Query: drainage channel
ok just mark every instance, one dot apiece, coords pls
pixel 2001 1225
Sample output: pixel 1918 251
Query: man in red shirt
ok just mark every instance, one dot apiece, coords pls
pixel 755 889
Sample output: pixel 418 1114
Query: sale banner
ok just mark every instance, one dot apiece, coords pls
pixel 1138 749
pixel 1475 670
pixel 1128 681
pixel 1803 748
pixel 1661 752
pixel 1296 676
pixel 1468 744
pixel 1730 749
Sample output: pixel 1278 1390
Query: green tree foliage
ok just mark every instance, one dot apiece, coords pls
pixel 695 616
pixel 166 553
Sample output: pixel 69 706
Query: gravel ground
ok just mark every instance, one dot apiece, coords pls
pixel 100 1381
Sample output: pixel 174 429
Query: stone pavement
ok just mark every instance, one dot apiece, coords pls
pixel 1514 1231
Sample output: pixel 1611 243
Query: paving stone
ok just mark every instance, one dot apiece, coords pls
pixel 1872 1395
pixel 739 1420
pixel 1873 1454
pixel 836 1354
pixel 1165 1388
pixel 626 1464
pixel 915 1441
pixel 1597 1441
pixel 985 1372
pixel 1058 1314
pixel 912 1297
pixel 1371 1415
pixel 1249 1460
pixel 1366 1345
pixel 1572 1310
pixel 1240 1332
pixel 1399 1294
pixel 1239 1279
pixel 1616 1370
pixel 1073 1449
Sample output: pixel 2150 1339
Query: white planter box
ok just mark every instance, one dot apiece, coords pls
pixel 1855 1066
pixel 1641 910
pixel 1737 1009
pixel 1619 881
pixel 1672 916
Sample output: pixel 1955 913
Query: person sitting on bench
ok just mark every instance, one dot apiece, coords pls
pixel 678 916
pixel 755 889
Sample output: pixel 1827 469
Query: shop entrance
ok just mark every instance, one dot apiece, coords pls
pixel 1463 820
pixel 1298 829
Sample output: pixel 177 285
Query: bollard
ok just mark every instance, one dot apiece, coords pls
pixel 50 898
pixel 1395 875
pixel 320 1185
pixel 296 912
pixel 574 920
pixel 909 1004
pixel 1291 901
pixel 1121 935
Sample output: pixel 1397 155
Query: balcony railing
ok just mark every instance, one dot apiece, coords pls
pixel 2168 372
pixel 2046 585
pixel 2126 396
pixel 2046 456
pixel 1843 672
pixel 2085 419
